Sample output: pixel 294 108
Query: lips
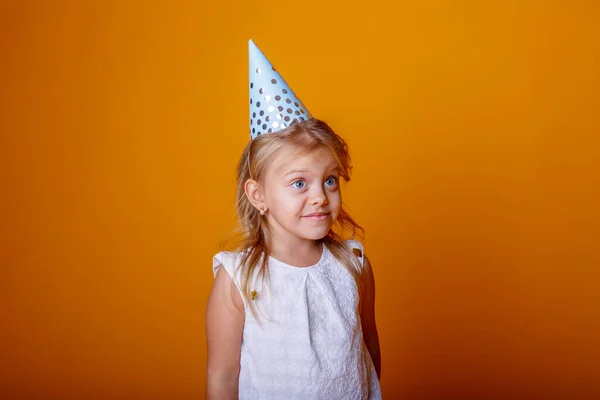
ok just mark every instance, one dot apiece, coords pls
pixel 317 214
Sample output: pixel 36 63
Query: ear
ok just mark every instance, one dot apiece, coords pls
pixel 254 193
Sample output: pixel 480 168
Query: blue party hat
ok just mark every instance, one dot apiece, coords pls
pixel 273 105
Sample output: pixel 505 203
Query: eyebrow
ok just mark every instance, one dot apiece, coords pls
pixel 334 169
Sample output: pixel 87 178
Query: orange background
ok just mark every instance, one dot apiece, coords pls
pixel 475 134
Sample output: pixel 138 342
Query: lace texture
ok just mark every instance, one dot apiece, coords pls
pixel 306 341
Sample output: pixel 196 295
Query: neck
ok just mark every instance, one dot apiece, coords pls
pixel 301 253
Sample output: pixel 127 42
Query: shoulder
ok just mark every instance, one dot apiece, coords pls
pixel 230 261
pixel 226 260
pixel 228 264
pixel 354 245
pixel 358 249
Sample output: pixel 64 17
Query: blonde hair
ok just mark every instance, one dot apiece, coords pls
pixel 309 135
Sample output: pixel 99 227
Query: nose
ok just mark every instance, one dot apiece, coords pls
pixel 319 197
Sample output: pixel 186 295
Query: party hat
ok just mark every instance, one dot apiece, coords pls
pixel 273 104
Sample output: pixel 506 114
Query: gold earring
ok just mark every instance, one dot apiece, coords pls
pixel 262 210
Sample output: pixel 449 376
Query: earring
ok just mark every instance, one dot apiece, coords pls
pixel 262 210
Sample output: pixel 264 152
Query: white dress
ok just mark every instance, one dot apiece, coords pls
pixel 306 341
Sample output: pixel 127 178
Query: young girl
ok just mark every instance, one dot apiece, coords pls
pixel 291 314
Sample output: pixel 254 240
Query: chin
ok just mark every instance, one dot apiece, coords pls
pixel 317 235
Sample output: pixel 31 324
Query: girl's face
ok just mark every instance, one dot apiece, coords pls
pixel 302 194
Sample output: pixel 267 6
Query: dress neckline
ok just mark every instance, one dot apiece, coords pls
pixel 283 264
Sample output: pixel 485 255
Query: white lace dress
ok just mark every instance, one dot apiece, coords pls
pixel 306 342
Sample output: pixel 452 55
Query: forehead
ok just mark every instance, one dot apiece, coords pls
pixel 290 158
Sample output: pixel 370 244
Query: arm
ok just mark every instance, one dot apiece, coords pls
pixel 367 316
pixel 224 327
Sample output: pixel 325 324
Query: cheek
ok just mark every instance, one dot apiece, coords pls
pixel 335 196
pixel 287 203
pixel 335 200
pixel 288 208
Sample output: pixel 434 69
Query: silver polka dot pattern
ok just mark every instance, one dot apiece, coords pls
pixel 270 97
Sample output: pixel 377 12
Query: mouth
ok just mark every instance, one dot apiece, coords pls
pixel 317 216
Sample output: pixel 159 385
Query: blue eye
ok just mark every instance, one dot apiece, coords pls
pixel 331 181
pixel 299 184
